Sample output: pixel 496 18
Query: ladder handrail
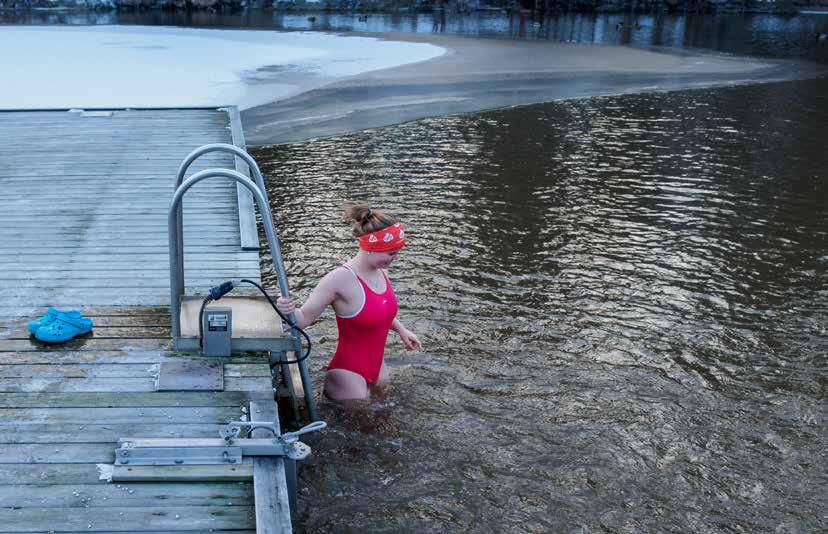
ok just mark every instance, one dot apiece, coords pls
pixel 177 277
pixel 182 171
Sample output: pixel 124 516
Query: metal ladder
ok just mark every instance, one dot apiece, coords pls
pixel 276 346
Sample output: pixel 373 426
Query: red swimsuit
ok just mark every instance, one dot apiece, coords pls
pixel 362 335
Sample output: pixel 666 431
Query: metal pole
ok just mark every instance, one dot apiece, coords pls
pixel 253 168
pixel 273 243
pixel 176 249
pixel 182 171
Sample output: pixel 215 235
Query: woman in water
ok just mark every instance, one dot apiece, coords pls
pixel 366 308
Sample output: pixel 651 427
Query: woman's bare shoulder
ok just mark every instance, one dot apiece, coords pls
pixel 336 278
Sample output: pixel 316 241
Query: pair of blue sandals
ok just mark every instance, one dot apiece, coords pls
pixel 59 326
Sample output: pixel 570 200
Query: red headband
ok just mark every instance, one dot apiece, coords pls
pixel 385 240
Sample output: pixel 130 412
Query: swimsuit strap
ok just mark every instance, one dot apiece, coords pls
pixel 364 294
pixel 356 277
pixel 362 282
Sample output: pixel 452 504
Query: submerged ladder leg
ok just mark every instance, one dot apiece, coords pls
pixel 285 388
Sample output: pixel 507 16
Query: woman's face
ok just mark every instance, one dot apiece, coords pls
pixel 381 260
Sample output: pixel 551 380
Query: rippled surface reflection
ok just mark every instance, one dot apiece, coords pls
pixel 623 306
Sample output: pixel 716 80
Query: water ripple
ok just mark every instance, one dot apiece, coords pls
pixel 623 307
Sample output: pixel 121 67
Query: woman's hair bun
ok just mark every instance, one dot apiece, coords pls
pixel 364 219
pixel 357 212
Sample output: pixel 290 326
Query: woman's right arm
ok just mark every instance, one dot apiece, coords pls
pixel 323 295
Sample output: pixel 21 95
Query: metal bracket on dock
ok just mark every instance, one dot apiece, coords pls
pixel 128 454
pixel 230 449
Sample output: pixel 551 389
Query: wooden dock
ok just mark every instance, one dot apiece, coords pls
pixel 85 199
pixel 84 226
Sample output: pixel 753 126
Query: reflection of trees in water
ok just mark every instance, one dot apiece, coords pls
pixel 713 186
pixel 519 162
pixel 789 36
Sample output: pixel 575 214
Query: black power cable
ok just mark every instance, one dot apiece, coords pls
pixel 204 304
pixel 219 291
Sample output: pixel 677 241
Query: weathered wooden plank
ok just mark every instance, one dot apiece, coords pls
pixel 112 385
pixel 160 495
pixel 217 531
pixel 119 370
pixel 201 278
pixel 65 231
pixel 144 216
pixel 117 278
pixel 119 264
pixel 165 158
pixel 46 474
pixel 74 238
pixel 111 298
pixel 145 257
pixel 111 432
pixel 148 242
pixel 269 482
pixel 158 185
pixel 114 357
pixel 85 343
pixel 212 530
pixel 139 249
pixel 133 399
pixel 106 321
pixel 78 223
pixel 119 519
pixel 144 188
pixel 160 332
pixel 241 370
pixel 71 282
pixel 10 314
pixel 60 453
pixel 102 416
pixel 111 311
pixel 111 203
pixel 247 215
pixel 78 370
pixel 187 473
pixel 296 378
pixel 194 206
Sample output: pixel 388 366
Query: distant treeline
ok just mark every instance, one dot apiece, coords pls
pixel 533 7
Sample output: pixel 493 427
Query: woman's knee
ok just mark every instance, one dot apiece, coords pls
pixel 341 384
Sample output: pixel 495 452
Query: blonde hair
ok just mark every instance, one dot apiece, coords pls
pixel 365 220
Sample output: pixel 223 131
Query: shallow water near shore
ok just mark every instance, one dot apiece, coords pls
pixel 623 310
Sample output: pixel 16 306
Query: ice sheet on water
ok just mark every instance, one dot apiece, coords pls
pixel 141 66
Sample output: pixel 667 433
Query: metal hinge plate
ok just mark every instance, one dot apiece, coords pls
pixel 128 455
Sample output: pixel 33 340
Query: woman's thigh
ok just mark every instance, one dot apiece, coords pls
pixel 341 384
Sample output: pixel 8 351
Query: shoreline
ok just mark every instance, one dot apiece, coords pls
pixel 234 6
pixel 478 74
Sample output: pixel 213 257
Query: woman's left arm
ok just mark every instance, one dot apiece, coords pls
pixel 408 337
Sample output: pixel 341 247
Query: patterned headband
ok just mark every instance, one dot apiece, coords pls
pixel 385 240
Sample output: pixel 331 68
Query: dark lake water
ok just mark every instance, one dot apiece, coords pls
pixel 623 307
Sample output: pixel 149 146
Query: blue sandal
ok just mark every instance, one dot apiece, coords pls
pixel 51 315
pixel 63 328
